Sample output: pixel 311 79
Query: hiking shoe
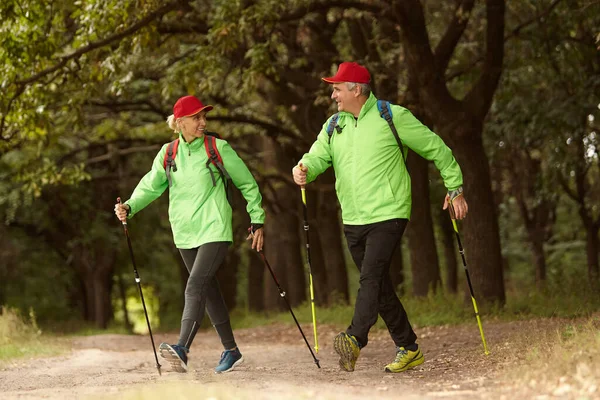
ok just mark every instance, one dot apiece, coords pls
pixel 176 355
pixel 405 359
pixel 348 349
pixel 229 359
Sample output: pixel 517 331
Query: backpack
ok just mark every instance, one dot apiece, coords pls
pixel 385 111
pixel 214 158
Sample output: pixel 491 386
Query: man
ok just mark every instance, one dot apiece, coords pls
pixel 373 187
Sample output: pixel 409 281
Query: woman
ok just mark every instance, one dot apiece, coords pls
pixel 200 218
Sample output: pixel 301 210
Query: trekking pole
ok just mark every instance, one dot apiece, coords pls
pixel 282 294
pixel 462 254
pixel 310 279
pixel 138 280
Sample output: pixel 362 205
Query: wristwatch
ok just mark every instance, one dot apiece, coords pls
pixel 453 194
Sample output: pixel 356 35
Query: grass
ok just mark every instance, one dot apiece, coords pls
pixel 21 337
pixel 562 361
pixel 445 309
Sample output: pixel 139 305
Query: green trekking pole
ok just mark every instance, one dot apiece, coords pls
pixel 462 254
pixel 312 293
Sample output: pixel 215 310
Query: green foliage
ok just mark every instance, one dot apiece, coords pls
pixel 37 266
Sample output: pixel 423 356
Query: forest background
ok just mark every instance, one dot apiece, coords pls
pixel 511 86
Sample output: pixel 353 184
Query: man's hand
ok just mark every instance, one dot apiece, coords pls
pixel 299 173
pixel 257 239
pixel 459 208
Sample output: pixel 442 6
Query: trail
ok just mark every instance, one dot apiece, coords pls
pixel 278 365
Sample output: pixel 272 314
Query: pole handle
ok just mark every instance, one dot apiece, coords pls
pixel 451 209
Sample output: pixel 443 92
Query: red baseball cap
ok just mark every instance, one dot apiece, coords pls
pixel 350 72
pixel 188 105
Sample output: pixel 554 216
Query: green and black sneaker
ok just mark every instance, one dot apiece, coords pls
pixel 348 349
pixel 405 359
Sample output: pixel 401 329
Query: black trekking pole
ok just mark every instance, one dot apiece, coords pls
pixel 138 280
pixel 462 254
pixel 282 294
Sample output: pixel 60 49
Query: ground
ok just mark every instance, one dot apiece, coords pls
pixel 278 365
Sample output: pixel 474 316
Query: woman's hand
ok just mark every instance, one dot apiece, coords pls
pixel 257 239
pixel 121 211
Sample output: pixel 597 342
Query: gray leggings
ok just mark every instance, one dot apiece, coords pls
pixel 203 291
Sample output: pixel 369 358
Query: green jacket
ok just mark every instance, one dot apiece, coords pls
pixel 372 182
pixel 199 212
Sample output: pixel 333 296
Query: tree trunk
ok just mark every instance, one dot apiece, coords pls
pixel 256 276
pixel 96 272
pixel 539 259
pixel 227 277
pixel 423 254
pixel 460 123
pixel 123 296
pixel 282 250
pixel 282 247
pixel 480 232
pixel 397 270
pixel 448 240
pixel 330 236
pixel 592 255
pixel 319 272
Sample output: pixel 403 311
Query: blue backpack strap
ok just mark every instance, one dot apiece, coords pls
pixel 386 113
pixel 169 159
pixel 332 125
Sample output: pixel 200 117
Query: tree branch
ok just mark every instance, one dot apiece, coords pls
pixel 119 106
pixel 422 65
pixel 280 129
pixel 446 46
pixel 122 152
pixel 171 6
pixel 565 185
pixel 515 32
pixel 372 6
pixel 480 97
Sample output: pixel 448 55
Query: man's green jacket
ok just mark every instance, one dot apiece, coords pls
pixel 372 182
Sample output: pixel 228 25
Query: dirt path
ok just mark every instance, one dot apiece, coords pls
pixel 278 365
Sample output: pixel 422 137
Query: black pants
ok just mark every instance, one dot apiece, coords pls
pixel 372 247
pixel 203 291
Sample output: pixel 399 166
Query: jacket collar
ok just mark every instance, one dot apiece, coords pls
pixel 371 101
pixel 195 145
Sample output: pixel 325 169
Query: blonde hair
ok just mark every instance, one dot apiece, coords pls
pixel 172 122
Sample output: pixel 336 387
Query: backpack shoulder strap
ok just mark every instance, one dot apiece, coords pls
pixel 214 157
pixel 332 125
pixel 385 111
pixel 169 159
